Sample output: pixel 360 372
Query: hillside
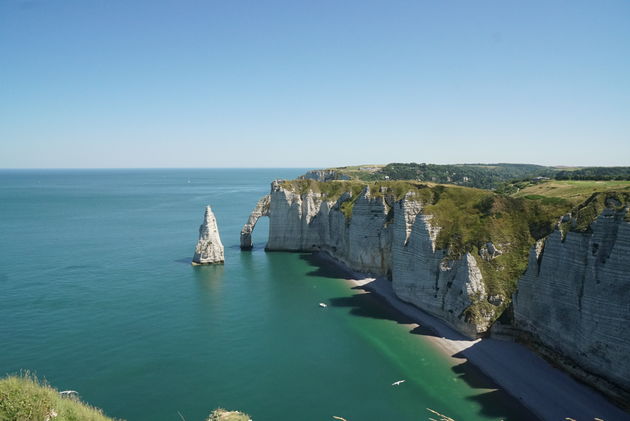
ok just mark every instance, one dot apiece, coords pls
pixel 485 176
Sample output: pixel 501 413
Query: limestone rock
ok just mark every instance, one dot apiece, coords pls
pixel 382 237
pixel 573 301
pixel 261 209
pixel 324 175
pixel 209 248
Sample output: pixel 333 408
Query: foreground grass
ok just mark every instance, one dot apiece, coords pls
pixel 24 398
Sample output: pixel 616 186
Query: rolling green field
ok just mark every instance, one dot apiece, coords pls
pixel 574 191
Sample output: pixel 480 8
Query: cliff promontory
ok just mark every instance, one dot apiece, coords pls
pixel 559 274
pixel 454 252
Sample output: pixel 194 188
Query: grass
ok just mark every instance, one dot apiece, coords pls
pixel 224 415
pixel 574 191
pixel 24 398
pixel 469 219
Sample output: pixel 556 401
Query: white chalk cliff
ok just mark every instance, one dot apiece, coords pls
pixel 572 303
pixel 383 237
pixel 209 249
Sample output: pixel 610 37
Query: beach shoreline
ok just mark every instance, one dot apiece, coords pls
pixel 546 391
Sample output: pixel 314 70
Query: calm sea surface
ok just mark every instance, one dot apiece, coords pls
pixel 97 294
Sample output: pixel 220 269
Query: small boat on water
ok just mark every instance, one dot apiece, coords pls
pixel 324 305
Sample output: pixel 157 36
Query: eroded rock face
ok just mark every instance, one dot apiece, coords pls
pixel 309 222
pixel 209 248
pixel 574 300
pixel 382 237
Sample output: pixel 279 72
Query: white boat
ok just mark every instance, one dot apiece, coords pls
pixel 324 305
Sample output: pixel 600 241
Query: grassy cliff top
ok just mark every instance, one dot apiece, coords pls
pixel 470 218
pixel 572 190
pixel 224 415
pixel 25 398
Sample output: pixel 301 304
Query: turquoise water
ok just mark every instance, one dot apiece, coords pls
pixel 97 294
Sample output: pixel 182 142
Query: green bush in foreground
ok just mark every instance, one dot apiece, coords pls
pixel 223 415
pixel 24 398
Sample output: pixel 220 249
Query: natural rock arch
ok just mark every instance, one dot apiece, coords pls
pixel 261 209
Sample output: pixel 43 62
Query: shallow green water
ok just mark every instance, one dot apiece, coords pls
pixel 97 294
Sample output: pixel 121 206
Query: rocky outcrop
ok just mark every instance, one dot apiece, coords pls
pixel 311 222
pixel 573 302
pixel 261 209
pixel 209 248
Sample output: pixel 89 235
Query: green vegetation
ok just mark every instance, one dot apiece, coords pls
pixel 502 177
pixel 469 219
pixel 575 192
pixel 472 218
pixel 512 219
pixel 583 215
pixel 24 398
pixel 470 175
pixel 224 415
pixel 595 173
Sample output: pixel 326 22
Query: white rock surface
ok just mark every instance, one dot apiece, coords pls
pixel 261 209
pixel 393 239
pixel 209 248
pixel 574 300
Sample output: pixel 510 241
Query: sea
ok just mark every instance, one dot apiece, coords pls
pixel 98 295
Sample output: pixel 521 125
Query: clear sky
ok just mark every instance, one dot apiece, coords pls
pixel 301 83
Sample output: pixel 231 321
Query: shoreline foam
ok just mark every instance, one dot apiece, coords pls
pixel 548 392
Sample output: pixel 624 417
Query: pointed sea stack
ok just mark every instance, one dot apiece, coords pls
pixel 209 248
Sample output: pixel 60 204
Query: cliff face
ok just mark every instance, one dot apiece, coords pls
pixel 382 236
pixel 309 222
pixel 574 301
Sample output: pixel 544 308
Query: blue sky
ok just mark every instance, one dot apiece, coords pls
pixel 313 83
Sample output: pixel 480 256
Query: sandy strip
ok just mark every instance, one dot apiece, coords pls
pixel 546 391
